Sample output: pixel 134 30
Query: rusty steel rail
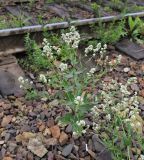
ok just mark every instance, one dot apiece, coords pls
pixel 12 40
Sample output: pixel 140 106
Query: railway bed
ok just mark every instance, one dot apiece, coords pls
pixel 34 100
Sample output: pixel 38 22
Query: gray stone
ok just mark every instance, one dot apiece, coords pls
pixel 98 145
pixel 59 10
pixel 105 155
pixel 7 136
pixel 9 63
pixel 22 151
pixel 68 129
pixel 12 146
pixel 9 84
pixel 131 49
pixel 67 150
pixel 2 153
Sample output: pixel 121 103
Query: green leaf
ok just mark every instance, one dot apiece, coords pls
pixel 71 75
pixel 131 24
pixel 69 96
pixel 85 108
pixel 66 119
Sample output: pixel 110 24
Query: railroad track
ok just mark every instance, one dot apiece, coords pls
pixel 12 39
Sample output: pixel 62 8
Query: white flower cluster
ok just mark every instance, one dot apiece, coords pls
pixel 42 78
pixel 57 49
pixel 132 80
pixel 99 49
pixel 47 48
pixel 91 72
pixel 116 61
pixel 96 126
pixel 81 123
pixel 79 100
pixel 116 99
pixel 71 38
pixel 25 83
pixel 124 90
pixel 63 67
pixel 82 126
pixel 89 49
pixel 21 79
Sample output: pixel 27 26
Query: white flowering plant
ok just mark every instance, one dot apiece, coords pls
pixel 71 38
pixel 65 46
pixel 30 91
pixel 27 86
pixel 78 106
pixel 117 115
pixel 64 50
pixel 72 84
pixel 99 50
pixel 63 67
pixel 25 83
pixel 70 42
pixel 104 64
pixel 49 50
pixel 72 81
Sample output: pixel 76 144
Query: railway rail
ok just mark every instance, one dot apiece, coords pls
pixel 12 39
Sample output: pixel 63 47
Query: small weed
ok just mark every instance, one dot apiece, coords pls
pixel 110 34
pixel 96 8
pixel 31 3
pixel 135 8
pixel 30 92
pixel 35 58
pixel 32 95
pixel 117 5
pixel 50 1
pixel 11 21
pixel 55 20
pixel 135 29
pixel 36 95
pixel 108 9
